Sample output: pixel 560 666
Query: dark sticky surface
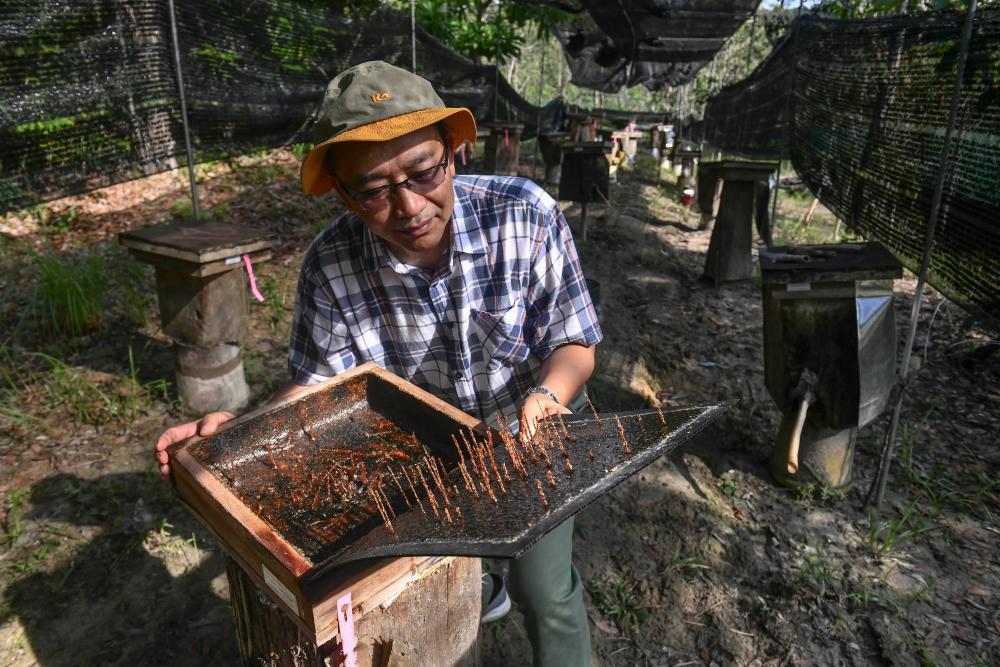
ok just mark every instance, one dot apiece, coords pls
pixel 306 468
pixel 519 518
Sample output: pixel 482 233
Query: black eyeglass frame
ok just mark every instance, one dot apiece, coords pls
pixel 405 183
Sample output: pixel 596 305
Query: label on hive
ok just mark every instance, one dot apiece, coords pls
pixel 282 591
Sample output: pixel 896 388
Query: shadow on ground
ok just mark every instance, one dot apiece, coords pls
pixel 144 590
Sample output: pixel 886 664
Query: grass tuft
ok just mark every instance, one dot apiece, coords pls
pixel 71 293
pixel 616 600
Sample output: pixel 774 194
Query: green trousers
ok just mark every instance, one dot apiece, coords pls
pixel 549 592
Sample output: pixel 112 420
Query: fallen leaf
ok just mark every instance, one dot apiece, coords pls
pixel 606 627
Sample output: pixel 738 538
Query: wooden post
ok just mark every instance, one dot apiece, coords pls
pixel 502 148
pixel 432 621
pixel 729 251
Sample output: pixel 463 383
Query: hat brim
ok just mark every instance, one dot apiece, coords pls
pixel 459 121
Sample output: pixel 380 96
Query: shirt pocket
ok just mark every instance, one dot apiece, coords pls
pixel 500 335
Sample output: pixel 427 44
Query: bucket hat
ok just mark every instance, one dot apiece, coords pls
pixel 376 101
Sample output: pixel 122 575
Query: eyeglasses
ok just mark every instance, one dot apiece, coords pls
pixel 422 182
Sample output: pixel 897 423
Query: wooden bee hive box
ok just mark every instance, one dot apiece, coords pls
pixel 264 485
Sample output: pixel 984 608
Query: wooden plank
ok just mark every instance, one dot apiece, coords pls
pixel 197 241
pixel 195 257
pixel 188 268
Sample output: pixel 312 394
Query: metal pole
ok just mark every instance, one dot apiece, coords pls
pixel 774 202
pixel 890 438
pixel 184 115
pixel 496 81
pixel 413 33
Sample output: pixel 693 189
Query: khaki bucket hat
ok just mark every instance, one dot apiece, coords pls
pixel 376 101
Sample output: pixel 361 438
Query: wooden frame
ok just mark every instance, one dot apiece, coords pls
pixel 274 565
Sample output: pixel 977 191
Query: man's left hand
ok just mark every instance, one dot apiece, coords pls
pixel 535 407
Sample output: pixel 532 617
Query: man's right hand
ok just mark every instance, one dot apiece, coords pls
pixel 205 426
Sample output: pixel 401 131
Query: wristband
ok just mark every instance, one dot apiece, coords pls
pixel 538 389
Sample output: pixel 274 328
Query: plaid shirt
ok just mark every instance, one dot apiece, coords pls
pixel 473 331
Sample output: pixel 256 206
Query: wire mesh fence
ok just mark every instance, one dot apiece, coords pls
pixel 860 107
pixel 91 98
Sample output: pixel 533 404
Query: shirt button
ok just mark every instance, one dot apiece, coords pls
pixel 459 375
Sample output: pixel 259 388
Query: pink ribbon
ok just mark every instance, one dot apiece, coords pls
pixel 253 281
pixel 345 623
pixel 506 137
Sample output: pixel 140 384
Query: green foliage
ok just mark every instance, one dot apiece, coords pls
pixel 818 572
pixel 482 29
pixel 616 600
pixel 184 209
pixel 851 9
pixel 884 537
pixel 75 295
pixel 70 294
pixel 49 386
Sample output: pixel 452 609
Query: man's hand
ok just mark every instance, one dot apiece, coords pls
pixel 205 426
pixel 535 407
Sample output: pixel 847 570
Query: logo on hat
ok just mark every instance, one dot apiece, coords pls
pixel 381 97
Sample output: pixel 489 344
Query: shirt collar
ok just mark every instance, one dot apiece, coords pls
pixel 466 236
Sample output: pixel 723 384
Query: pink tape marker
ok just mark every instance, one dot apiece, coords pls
pixel 345 623
pixel 253 281
pixel 506 137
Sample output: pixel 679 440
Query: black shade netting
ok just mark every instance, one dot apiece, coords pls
pixel 861 108
pixel 90 95
pixel 655 43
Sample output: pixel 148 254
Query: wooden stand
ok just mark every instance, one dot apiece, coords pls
pixel 709 193
pixel 433 620
pixel 502 148
pixel 729 252
pixel 551 146
pixel 583 126
pixel 200 286
pixel 585 177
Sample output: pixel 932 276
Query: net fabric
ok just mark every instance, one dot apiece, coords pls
pixel 655 43
pixel 860 107
pixel 91 97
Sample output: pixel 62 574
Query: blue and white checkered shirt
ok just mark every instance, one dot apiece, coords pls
pixel 473 331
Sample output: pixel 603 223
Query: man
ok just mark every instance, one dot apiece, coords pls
pixel 469 287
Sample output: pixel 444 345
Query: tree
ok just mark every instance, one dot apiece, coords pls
pixel 483 30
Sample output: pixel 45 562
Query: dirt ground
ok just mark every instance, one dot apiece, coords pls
pixel 699 560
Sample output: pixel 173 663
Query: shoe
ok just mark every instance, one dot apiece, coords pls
pixel 499 603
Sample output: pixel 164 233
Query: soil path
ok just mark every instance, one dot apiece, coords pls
pixel 699 560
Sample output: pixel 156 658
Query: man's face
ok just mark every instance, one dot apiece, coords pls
pixel 414 226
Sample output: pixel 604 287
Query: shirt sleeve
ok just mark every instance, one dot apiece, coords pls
pixel 320 345
pixel 559 309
